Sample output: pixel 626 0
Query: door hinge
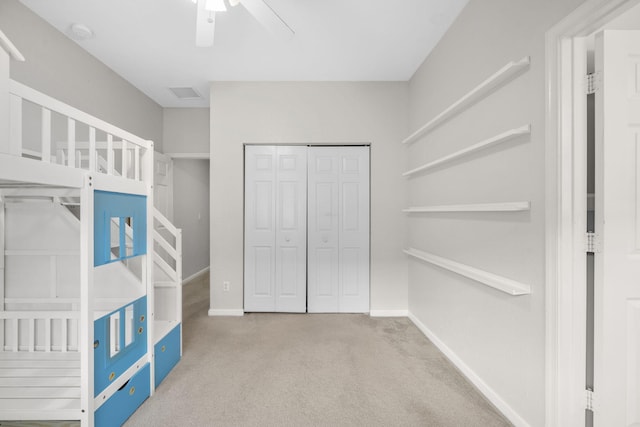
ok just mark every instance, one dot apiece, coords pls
pixel 589 397
pixel 592 83
pixel 592 243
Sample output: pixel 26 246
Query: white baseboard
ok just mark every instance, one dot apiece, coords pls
pixel 218 312
pixel 491 395
pixel 389 313
pixel 195 276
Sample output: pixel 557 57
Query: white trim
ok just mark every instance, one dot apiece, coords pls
pixel 122 379
pixel 117 184
pixel 491 395
pixel 565 313
pixel 389 313
pixel 222 312
pixel 189 156
pixel 23 170
pixel 195 276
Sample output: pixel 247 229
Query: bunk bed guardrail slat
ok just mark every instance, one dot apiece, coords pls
pixel 71 152
pixel 41 326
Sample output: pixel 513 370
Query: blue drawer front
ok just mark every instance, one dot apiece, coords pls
pixel 124 402
pixel 167 354
pixel 108 367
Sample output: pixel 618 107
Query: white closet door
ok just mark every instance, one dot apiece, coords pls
pixel 338 205
pixel 275 229
pixel 324 250
pixel 617 264
pixel 291 230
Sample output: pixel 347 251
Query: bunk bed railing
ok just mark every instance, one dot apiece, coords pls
pixel 37 120
pixel 40 331
pixel 171 246
pixel 167 250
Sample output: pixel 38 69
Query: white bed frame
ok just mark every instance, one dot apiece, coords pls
pixel 47 344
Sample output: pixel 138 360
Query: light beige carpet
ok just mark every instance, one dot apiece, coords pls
pixel 306 370
pixel 312 370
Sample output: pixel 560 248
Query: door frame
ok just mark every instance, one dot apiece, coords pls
pixel 565 213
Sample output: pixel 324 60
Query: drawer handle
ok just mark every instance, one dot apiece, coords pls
pixel 163 348
pixel 96 344
pixel 124 385
pixel 142 318
pixel 132 390
pixel 140 329
pixel 112 375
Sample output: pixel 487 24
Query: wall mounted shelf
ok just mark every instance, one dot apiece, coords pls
pixel 503 75
pixel 495 281
pixel 503 137
pixel 477 207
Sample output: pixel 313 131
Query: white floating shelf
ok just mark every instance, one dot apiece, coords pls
pixel 503 75
pixel 501 283
pixel 503 137
pixel 478 207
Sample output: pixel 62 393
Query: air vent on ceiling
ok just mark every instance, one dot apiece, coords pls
pixel 185 92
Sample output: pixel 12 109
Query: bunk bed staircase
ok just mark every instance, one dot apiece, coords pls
pixel 90 271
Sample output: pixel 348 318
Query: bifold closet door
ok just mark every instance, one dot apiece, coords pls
pixel 338 235
pixel 275 229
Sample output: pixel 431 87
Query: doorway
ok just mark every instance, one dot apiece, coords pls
pixel 306 233
pixel 576 319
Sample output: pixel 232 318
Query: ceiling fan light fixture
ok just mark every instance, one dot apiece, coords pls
pixel 215 6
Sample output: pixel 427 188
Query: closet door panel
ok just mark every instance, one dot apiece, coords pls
pixel 263 270
pixel 338 229
pixel 354 229
pixel 325 274
pixel 260 229
pixel 291 232
pixel 323 234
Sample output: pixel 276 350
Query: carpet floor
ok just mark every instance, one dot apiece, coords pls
pixel 311 370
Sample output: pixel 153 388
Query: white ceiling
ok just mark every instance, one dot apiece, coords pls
pixel 151 43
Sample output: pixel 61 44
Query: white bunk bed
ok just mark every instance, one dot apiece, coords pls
pixel 86 333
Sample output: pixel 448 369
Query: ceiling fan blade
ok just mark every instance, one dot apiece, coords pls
pixel 205 25
pixel 269 19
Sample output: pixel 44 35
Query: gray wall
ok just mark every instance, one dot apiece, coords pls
pixel 58 67
pixel 191 212
pixel 186 130
pixel 500 338
pixel 339 113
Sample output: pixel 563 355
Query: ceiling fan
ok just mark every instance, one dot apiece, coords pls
pixel 260 9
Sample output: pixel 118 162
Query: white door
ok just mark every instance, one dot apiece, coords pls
pixel 617 266
pixel 163 184
pixel 275 229
pixel 338 205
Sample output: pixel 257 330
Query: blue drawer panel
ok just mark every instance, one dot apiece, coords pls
pixel 124 402
pixel 167 354
pixel 132 323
